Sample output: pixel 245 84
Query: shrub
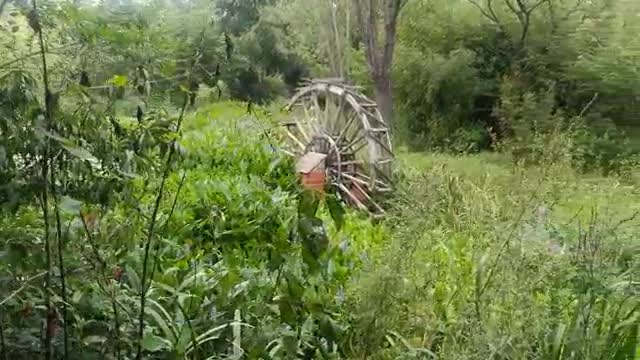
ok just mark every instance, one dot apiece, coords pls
pixel 608 151
pixel 435 92
pixel 470 139
pixel 533 130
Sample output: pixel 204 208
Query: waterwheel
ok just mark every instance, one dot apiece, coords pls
pixel 340 140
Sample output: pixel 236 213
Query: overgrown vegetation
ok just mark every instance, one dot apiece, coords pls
pixel 464 63
pixel 147 212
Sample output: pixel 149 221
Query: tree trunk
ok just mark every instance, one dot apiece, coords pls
pixel 384 97
pixel 376 19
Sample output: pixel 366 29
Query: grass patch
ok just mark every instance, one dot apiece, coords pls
pixel 488 260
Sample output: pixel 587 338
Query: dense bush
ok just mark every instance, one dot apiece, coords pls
pixel 539 133
pixel 240 264
pixel 609 150
pixel 451 65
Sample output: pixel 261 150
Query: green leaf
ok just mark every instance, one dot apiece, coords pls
pixel 161 321
pixel 134 279
pixel 336 210
pixel 118 80
pixel 558 342
pixel 154 343
pixel 82 154
pixel 77 296
pixel 94 339
pixel 287 311
pixel 54 136
pixel 308 203
pixel 205 337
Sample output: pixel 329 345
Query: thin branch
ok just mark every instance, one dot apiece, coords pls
pixel 36 53
pixel 166 223
pixel 190 326
pixel 152 227
pixel 489 13
pixel 536 5
pixel 92 242
pixel 3 351
pixel 45 188
pixel 513 8
pixel 63 283
pixel 589 104
pixel 110 294
pixel 22 287
pixel 507 240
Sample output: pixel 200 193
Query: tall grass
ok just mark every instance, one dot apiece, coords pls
pixel 484 262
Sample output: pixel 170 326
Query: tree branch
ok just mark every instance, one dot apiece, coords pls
pixel 35 53
pixel 489 13
pixel 22 287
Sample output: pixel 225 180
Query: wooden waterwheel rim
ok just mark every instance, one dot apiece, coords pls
pixel 330 117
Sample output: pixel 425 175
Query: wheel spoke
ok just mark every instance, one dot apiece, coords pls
pixel 302 132
pixel 360 147
pixel 351 196
pixel 355 179
pixel 378 207
pixel 295 139
pixel 343 133
pixel 339 110
pixel 352 143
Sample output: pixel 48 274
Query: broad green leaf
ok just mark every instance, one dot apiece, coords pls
pixel 154 343
pixel 237 335
pixel 118 80
pixel 205 337
pixel 558 342
pixel 308 203
pixel 162 322
pixel 77 296
pixel 336 210
pixel 94 339
pixel 134 279
pixel 81 153
pixel 54 136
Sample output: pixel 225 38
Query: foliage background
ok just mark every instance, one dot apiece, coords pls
pixel 514 238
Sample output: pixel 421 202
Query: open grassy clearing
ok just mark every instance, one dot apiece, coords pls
pixel 577 194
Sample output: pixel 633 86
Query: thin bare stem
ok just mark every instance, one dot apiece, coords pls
pixel 63 283
pixel 34 53
pixel 22 287
pixel 110 294
pixel 166 223
pixel 45 188
pixel 92 242
pixel 3 344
